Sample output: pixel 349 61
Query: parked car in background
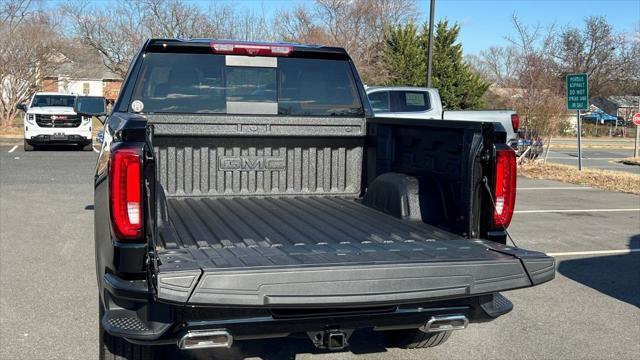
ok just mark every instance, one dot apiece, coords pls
pixel 599 117
pixel 533 147
pixel 100 137
pixel 424 103
pixel 50 119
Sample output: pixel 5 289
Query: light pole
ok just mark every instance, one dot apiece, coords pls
pixel 432 10
pixel 636 147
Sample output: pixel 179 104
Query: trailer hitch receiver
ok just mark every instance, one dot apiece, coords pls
pixel 330 339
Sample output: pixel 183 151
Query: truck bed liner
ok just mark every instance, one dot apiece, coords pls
pixel 294 251
pixel 283 221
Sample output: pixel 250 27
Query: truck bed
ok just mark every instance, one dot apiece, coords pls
pixel 295 251
pixel 253 224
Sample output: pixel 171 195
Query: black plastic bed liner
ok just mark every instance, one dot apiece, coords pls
pixel 310 251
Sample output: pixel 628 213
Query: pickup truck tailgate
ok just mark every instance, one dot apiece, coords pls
pixel 319 251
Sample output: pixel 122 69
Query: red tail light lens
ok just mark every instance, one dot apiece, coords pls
pixel 126 193
pixel 505 190
pixel 515 122
pixel 251 49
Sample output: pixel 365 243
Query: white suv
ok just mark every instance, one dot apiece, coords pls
pixel 50 119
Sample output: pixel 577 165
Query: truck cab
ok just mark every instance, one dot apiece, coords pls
pixel 50 118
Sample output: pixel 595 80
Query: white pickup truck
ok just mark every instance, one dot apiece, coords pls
pixel 50 119
pixel 424 103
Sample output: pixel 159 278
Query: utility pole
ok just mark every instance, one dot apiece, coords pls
pixel 580 139
pixel 432 10
pixel 636 146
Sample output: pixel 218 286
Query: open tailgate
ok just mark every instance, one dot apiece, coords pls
pixel 323 275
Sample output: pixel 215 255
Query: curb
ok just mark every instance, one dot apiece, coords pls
pixel 591 146
pixel 9 142
pixel 628 162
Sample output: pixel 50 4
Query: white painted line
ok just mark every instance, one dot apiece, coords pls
pixel 596 252
pixel 558 188
pixel 572 210
pixel 584 158
pixel 96 150
pixel 13 149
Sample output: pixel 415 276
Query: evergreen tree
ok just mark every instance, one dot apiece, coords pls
pixel 459 86
pixel 405 57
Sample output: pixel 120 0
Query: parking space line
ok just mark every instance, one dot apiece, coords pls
pixel 584 158
pixel 96 150
pixel 13 149
pixel 596 252
pixel 558 188
pixel 573 210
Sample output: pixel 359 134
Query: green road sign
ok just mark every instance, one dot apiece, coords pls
pixel 577 92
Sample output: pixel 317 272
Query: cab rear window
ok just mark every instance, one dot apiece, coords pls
pixel 399 101
pixel 228 84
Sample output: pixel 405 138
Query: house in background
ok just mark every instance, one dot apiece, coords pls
pixel 82 73
pixel 619 106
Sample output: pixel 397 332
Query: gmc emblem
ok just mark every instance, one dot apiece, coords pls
pixel 251 163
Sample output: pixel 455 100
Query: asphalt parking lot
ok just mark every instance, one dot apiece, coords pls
pixel 606 159
pixel 48 298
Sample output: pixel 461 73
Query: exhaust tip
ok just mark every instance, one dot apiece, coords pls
pixel 203 339
pixel 445 323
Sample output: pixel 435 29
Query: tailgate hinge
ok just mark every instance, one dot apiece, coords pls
pixel 153 265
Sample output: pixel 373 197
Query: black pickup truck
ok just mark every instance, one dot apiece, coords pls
pixel 245 191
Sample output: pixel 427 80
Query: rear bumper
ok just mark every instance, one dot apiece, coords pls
pixel 58 139
pixel 158 323
pixel 34 134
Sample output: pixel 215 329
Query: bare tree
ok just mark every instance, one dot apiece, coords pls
pixel 525 78
pixel 299 25
pixel 357 25
pixel 117 31
pixel 13 11
pixel 609 58
pixel 498 64
pixel 28 44
pixel 243 24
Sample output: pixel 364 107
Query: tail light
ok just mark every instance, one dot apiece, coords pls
pixel 125 188
pixel 251 49
pixel 515 122
pixel 505 188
